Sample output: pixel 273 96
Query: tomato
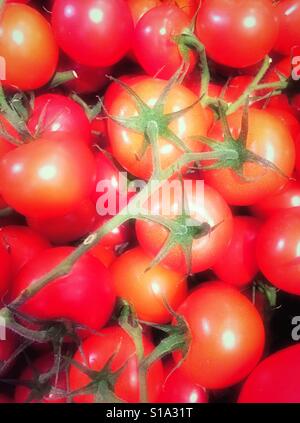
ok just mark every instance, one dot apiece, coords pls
pixel 270 139
pixel 275 379
pixel 236 87
pixel 105 254
pixel 5 270
pixel 114 343
pixel 28 47
pixel 41 392
pixel 84 30
pixel 207 249
pixel 298 155
pixel 38 179
pixel 189 7
pixel 288 14
pixel 295 104
pixel 286 198
pixel 54 113
pixel 7 349
pixel 22 244
pixel 226 336
pixel 147 291
pixel 238 264
pixel 177 388
pixel 85 295
pixel 5 399
pixel 139 7
pixel 289 120
pixel 237 33
pixel 68 228
pixel 114 89
pixel 127 144
pixel 7 142
pixel 278 242
pixel 154 46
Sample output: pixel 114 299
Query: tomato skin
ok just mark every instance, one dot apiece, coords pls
pixel 54 113
pixel 74 296
pixel 205 250
pixel 81 27
pixel 226 336
pixel 114 341
pixel 295 104
pixel 28 47
pixel 42 174
pixel 275 379
pixel 244 20
pixel 7 348
pixel 238 265
pixel 139 7
pixel 41 365
pixel 6 145
pixel 154 45
pixel 288 197
pixel 126 144
pixel 146 290
pixel 288 14
pixel 269 138
pixel 278 242
pixel 5 270
pixel 189 7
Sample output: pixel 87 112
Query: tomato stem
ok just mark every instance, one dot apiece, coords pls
pixel 62 77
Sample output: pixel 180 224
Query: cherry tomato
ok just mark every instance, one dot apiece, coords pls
pixel 5 270
pixel 237 33
pixel 288 14
pixel 148 290
pixel 275 379
pixel 114 343
pixel 226 336
pixel 278 243
pixel 189 7
pixel 93 32
pixel 47 178
pixel 206 249
pixel 154 45
pixel 295 103
pixel 238 264
pixel 289 120
pixel 85 295
pixel 28 47
pixel 105 254
pixel 7 141
pixel 270 139
pixel 54 113
pixel 7 349
pixel 139 7
pixel 46 392
pixel 127 145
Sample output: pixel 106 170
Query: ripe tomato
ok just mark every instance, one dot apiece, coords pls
pixel 286 198
pixel 47 178
pixel 206 250
pixel 7 349
pixel 22 244
pixel 139 7
pixel 269 138
pixel 278 242
pixel 237 33
pixel 114 342
pixel 41 392
pixel 105 254
pixel 154 45
pixel 275 379
pixel 114 89
pixel 226 336
pixel 295 104
pixel 289 120
pixel 5 270
pixel 6 144
pixel 288 15
pixel 85 295
pixel 148 290
pixel 54 113
pixel 127 144
pixel 189 7
pixel 93 32
pixel 238 264
pixel 28 47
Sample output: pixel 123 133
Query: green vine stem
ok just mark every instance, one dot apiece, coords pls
pixel 61 78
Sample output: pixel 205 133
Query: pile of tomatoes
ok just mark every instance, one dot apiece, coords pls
pixel 105 306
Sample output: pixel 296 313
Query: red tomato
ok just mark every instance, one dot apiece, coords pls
pixel 154 46
pixel 278 250
pixel 42 174
pixel 114 89
pixel 41 392
pixel 288 119
pixel 226 336
pixel 236 87
pixel 7 143
pixel 105 254
pixel 206 250
pixel 275 379
pixel 139 7
pixel 4 399
pixel 85 295
pixel 238 264
pixel 267 137
pixel 5 270
pixel 7 349
pixel 237 33
pixel 295 103
pixel 127 144
pixel 28 47
pixel 288 14
pixel 93 32
pixel 99 349
pixel 148 290
pixel 22 244
pixel 54 113
pixel 286 198
pixel 189 7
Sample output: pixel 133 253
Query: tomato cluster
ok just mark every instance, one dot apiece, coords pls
pixel 149 200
